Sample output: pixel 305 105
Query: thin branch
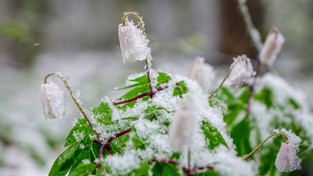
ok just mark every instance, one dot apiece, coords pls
pixel 67 86
pixel 262 143
pixel 106 145
pixel 253 32
pixel 148 76
pixel 221 84
pixel 140 96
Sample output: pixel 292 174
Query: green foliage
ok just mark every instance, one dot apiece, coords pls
pixel 81 129
pixel 207 173
pixel 140 85
pixel 165 169
pixel 103 113
pixel 64 162
pixel 265 96
pixel 213 136
pixel 241 136
pixel 180 89
pixel 242 126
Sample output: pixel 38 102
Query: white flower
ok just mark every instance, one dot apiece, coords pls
pixel 287 159
pixel 242 70
pixel 52 100
pixel 133 43
pixel 182 128
pixel 271 48
pixel 203 73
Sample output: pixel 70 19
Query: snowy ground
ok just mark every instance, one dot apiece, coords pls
pixel 32 143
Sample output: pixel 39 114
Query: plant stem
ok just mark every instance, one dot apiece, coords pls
pixel 148 65
pixel 253 32
pixel 140 96
pixel 260 145
pixel 138 18
pixel 67 86
pixel 263 142
pixel 108 142
pixel 221 84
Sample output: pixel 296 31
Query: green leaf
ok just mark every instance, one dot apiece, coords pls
pixel 83 169
pixel 180 89
pixel 265 96
pixel 81 127
pixel 213 136
pixel 143 170
pixel 119 143
pixel 141 80
pixel 103 113
pixel 241 136
pixel 163 78
pixel 138 142
pixel 207 173
pixel 133 93
pixel 164 169
pixel 64 162
pixel 294 103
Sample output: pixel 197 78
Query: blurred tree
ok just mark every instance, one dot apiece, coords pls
pixel 234 38
pixel 20 30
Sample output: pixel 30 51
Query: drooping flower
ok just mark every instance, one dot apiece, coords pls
pixel 272 46
pixel 133 42
pixel 203 73
pixel 287 159
pixel 182 128
pixel 52 100
pixel 242 70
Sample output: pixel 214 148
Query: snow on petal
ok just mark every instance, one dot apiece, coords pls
pixel 287 159
pixel 271 48
pixel 133 43
pixel 242 70
pixel 182 128
pixel 52 100
pixel 203 73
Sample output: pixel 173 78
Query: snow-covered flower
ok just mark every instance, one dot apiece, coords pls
pixel 52 100
pixel 272 46
pixel 287 159
pixel 182 128
pixel 242 70
pixel 133 42
pixel 203 73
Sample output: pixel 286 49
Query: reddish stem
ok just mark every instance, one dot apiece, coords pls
pixel 140 96
pixel 106 145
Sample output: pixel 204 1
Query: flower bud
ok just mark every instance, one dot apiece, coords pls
pixel 52 100
pixel 272 46
pixel 203 73
pixel 182 128
pixel 287 159
pixel 242 70
pixel 133 42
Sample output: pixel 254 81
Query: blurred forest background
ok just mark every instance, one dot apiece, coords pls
pixel 79 38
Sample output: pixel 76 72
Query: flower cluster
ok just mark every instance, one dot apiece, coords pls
pixel 168 124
